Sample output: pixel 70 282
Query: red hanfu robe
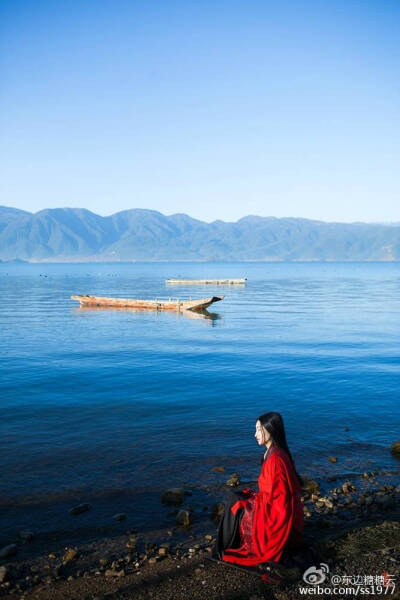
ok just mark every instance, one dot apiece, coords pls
pixel 273 517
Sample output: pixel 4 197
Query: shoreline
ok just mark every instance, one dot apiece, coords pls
pixel 43 567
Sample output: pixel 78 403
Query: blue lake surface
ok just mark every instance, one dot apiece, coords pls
pixel 99 403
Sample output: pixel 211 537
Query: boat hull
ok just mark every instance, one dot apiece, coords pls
pixel 180 305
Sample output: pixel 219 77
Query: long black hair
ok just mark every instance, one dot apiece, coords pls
pixel 273 423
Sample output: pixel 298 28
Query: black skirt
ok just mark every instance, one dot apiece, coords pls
pixel 229 527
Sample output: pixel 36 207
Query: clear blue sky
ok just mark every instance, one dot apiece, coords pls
pixel 213 108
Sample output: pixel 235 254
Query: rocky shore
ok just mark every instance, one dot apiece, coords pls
pixel 353 521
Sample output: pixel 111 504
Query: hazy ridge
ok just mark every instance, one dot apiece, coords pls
pixel 140 234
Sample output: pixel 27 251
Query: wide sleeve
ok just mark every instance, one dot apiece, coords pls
pixel 275 517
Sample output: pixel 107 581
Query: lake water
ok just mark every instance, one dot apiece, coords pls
pixel 114 406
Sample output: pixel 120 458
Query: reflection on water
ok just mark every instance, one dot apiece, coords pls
pixel 239 286
pixel 187 314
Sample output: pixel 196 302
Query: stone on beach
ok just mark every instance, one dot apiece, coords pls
pixel 173 496
pixel 114 573
pixel 4 574
pixel 395 449
pixel 310 486
pixel 80 508
pixel 119 517
pixel 234 480
pixel 184 518
pixel 8 551
pixel 70 554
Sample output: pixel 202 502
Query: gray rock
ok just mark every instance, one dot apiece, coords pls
pixel 79 509
pixel 4 574
pixel 114 573
pixel 310 486
pixel 119 517
pixel 184 518
pixel 131 543
pixel 70 554
pixel 234 480
pixel 8 551
pixel 173 496
pixel 395 448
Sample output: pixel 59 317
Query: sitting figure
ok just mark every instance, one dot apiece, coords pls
pixel 265 526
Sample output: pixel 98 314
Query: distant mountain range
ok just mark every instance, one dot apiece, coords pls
pixel 76 234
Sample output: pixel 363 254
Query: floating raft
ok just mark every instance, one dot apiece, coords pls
pixel 179 305
pixel 208 281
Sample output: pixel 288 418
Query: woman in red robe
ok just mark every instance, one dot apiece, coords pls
pixel 265 526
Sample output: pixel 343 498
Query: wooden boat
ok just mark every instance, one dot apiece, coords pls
pixel 179 305
pixel 208 281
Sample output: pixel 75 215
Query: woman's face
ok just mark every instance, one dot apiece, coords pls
pixel 262 436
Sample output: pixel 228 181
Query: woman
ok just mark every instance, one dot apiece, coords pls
pixel 265 526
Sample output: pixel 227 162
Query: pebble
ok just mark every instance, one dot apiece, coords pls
pixel 8 551
pixel 79 509
pixel 395 448
pixel 114 573
pixel 70 554
pixel 184 518
pixel 310 486
pixel 4 574
pixel 234 480
pixel 120 517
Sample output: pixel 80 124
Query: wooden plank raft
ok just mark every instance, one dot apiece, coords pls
pixel 208 281
pixel 179 305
